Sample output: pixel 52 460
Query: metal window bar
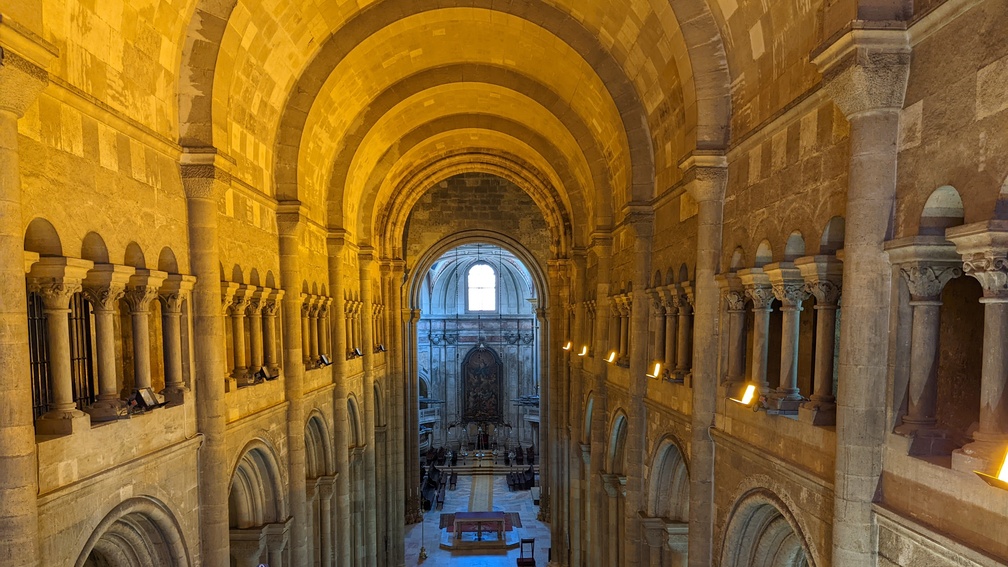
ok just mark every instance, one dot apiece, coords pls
pixel 82 358
pixel 38 355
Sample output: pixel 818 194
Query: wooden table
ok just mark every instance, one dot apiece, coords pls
pixel 480 519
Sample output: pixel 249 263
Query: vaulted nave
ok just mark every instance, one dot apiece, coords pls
pixel 698 282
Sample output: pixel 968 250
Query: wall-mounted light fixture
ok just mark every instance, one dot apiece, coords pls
pixel 567 345
pixel 612 357
pixel 584 351
pixel 999 481
pixel 353 353
pixel 262 375
pixel 655 370
pixel 380 348
pixel 324 360
pixel 750 399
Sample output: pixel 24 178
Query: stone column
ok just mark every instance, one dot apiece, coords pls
pixel 324 346
pixel 623 304
pixel 56 280
pixel 142 288
pixel 313 326
pixel 277 537
pixel 305 310
pixel 822 276
pixel 365 262
pixel 671 330
pixel 735 300
pixel 677 536
pixel 611 485
pixel 239 302
pixel 984 248
pixel 327 489
pixel 655 537
pixel 172 293
pixel 926 264
pixel 573 373
pixel 104 286
pixel 291 221
pixel 865 73
pixel 270 346
pixel 658 326
pixel 789 289
pixel 336 246
pixel 601 246
pixel 23 60
pixel 398 385
pixel 247 546
pixel 758 289
pixel 684 340
pixel 705 176
pixel 254 313
pixel 204 181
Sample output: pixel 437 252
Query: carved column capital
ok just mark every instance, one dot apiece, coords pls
pixel 823 275
pixel 927 281
pixel 23 61
pixel 105 285
pixel 762 296
pixel 205 174
pixel 826 292
pixel 984 250
pixel 56 280
pixel 866 69
pixel 174 291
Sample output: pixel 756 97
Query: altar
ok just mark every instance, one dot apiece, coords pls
pixel 477 521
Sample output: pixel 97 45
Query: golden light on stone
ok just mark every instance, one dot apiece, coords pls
pixel 612 357
pixel 656 371
pixel 999 481
pixel 747 396
pixel 584 351
pixel 567 345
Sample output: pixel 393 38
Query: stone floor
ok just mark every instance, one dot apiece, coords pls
pixel 458 500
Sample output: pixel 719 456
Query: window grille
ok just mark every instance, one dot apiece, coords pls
pixel 82 357
pixel 38 355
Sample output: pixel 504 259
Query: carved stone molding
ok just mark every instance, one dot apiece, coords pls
pixel 826 292
pixel 55 293
pixel 762 296
pixel 105 297
pixel 927 281
pixel 791 294
pixel 735 300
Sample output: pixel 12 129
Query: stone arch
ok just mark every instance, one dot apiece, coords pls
pixel 764 254
pixel 139 532
pixel 832 236
pixel 794 247
pixel 615 453
pixel 737 259
pixel 256 496
pixel 93 248
pixel 134 256
pixel 254 277
pixel 237 275
pixel 668 489
pixel 943 209
pixel 41 237
pixel 556 21
pixel 167 261
pixel 379 405
pixel 318 450
pixel 763 532
pixel 354 422
pixel 684 273
pixel 438 249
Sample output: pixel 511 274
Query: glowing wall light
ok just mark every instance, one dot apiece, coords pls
pixel 612 357
pixel 584 350
pixel 655 370
pixel 999 481
pixel 567 346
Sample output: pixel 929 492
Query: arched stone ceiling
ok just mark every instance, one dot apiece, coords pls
pixel 466 104
pixel 257 78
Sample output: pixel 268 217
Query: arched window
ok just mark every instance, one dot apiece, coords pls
pixel 482 284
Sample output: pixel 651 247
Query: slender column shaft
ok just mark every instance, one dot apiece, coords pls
pixel 58 329
pixel 671 335
pixel 305 308
pixel 313 336
pixel 684 347
pixel 238 338
pixel 325 525
pixel 760 348
pixel 171 323
pixel 790 334
pixel 108 389
pixel 922 404
pixel 624 336
pixel 255 336
pixel 993 386
pixel 825 349
pixel 371 479
pixel 270 341
pixel 736 346
pixel 341 442
pixel 202 185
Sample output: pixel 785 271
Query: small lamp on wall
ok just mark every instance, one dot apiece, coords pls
pixel 612 357
pixel 999 481
pixel 584 350
pixel 262 375
pixel 380 348
pixel 567 345
pixel 324 360
pixel 750 398
pixel 655 369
